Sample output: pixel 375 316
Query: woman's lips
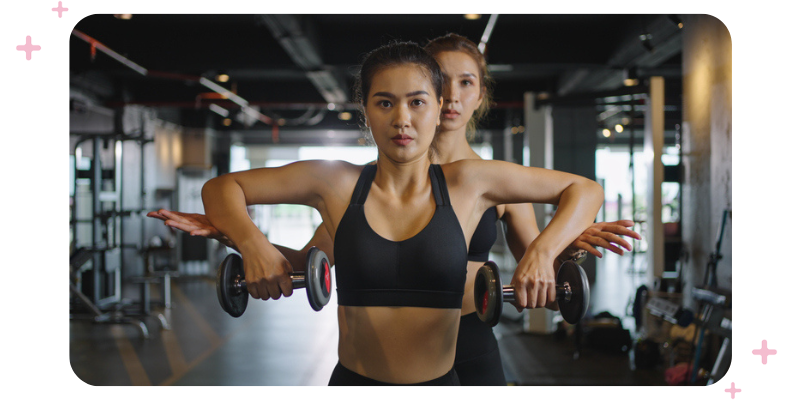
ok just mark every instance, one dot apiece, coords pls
pixel 402 140
pixel 451 114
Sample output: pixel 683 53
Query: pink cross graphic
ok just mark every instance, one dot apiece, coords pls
pixel 28 48
pixel 764 352
pixel 733 390
pixel 60 9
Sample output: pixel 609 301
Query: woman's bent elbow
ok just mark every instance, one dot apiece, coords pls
pixel 597 191
pixel 209 188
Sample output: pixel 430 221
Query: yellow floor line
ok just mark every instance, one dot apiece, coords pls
pixel 216 341
pixel 174 378
pixel 174 354
pixel 129 358
pixel 204 326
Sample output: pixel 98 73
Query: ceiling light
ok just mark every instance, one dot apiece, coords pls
pixel 472 16
pixel 607 132
pixel 222 78
pixel 345 116
pixel 674 18
pixel 630 77
pixel 645 39
pixel 123 16
pixel 226 122
pixel 618 128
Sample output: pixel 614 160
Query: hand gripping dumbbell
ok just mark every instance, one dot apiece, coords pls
pixel 232 287
pixel 572 293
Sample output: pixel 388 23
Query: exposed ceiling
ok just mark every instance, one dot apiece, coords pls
pixel 291 67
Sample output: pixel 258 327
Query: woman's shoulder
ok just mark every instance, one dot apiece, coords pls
pixel 469 165
pixel 332 168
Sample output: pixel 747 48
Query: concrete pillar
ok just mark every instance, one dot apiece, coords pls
pixel 539 132
pixel 653 148
pixel 707 148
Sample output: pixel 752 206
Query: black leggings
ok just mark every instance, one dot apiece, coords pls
pixel 342 376
pixel 477 354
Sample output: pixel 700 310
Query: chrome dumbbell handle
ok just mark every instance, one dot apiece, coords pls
pixel 563 291
pixel 298 281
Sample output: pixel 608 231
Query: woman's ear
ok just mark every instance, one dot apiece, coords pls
pixel 439 116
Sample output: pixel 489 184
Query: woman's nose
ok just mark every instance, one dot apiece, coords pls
pixel 402 117
pixel 450 92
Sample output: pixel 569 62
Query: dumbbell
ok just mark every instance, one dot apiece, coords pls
pixel 572 292
pixel 232 287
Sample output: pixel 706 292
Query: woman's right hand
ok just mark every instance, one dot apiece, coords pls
pixel 266 270
pixel 193 224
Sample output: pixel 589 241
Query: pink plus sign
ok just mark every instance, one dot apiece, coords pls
pixel 764 352
pixel 28 48
pixel 733 390
pixel 60 9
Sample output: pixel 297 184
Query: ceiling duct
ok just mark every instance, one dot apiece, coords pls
pixel 663 35
pixel 295 35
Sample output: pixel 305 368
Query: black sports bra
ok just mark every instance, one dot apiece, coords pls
pixel 426 270
pixel 484 237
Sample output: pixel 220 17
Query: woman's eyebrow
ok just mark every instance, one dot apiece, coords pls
pixel 392 96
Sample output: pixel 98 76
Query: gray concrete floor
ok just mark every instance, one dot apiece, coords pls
pixel 286 343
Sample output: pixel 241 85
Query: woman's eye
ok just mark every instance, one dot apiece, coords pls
pixel 417 102
pixel 466 82
pixel 385 103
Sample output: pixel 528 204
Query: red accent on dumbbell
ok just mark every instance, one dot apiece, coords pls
pixel 327 275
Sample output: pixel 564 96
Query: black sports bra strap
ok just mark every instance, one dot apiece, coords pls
pixel 363 185
pixel 440 186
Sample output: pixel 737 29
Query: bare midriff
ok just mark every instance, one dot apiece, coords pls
pixel 398 344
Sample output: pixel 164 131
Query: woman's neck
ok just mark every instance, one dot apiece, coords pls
pixel 402 178
pixel 452 146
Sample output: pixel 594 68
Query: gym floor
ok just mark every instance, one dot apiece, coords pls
pixel 286 343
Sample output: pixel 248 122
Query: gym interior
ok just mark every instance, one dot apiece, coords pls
pixel 159 104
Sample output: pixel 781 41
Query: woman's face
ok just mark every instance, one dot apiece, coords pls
pixel 462 89
pixel 402 111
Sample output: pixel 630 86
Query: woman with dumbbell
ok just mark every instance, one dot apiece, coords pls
pixel 467 96
pixel 400 227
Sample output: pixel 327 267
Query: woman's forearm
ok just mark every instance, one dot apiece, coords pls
pixel 577 209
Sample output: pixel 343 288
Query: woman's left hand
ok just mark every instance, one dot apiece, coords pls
pixel 605 235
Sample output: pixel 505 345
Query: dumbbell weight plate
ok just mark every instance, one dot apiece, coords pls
pixel 488 294
pixel 574 308
pixel 232 299
pixel 318 278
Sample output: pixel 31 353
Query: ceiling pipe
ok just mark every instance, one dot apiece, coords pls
pixel 96 45
pixel 244 104
pixel 487 33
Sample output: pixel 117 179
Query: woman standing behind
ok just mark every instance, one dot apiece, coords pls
pixel 467 96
